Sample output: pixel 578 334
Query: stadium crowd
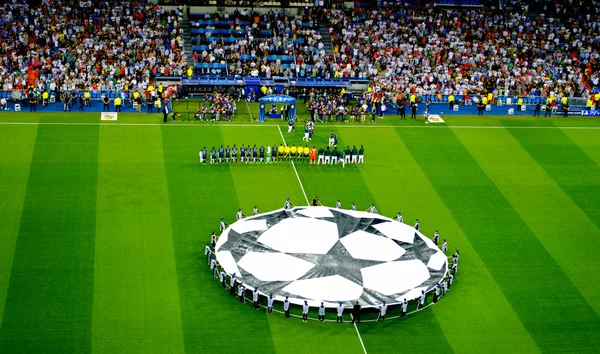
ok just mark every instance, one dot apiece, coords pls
pixel 67 45
pixel 255 37
pixel 506 51
pixel 521 48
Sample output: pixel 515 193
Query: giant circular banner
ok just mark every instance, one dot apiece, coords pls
pixel 329 255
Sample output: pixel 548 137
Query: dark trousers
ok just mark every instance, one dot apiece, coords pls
pixel 118 108
pixel 224 284
pixel 548 112
pixel 232 291
pixel 305 317
pixel 106 109
pixel 287 313
pixel 321 318
pixel 242 299
pixel 255 305
pixel 536 113
pixel 166 116
pixel 32 108
pixel 403 313
pixel 356 317
pixel 339 319
pixel 435 298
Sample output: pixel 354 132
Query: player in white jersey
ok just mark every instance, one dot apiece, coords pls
pixel 404 308
pixel 241 290
pixel 286 307
pixel 240 215
pixel 338 204
pixel 223 278
pixel 421 301
pixel 232 284
pixel 222 225
pixel 255 210
pixel 305 311
pixel 340 313
pixel 322 313
pixel 382 311
pixel 208 253
pixel 417 225
pixel 255 298
pixel 353 207
pixel 270 304
pixel 288 204
pixel 372 209
pixel 399 217
pixel 444 246
pixel 213 266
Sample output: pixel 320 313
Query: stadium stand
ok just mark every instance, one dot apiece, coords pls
pixel 433 50
pixel 246 43
pixel 98 45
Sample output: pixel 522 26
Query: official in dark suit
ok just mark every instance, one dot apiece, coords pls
pixel 356 312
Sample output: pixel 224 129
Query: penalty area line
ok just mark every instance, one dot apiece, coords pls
pixel 294 166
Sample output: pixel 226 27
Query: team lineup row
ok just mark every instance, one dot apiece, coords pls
pixel 268 154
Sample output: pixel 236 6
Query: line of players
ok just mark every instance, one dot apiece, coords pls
pixel 267 154
pixel 237 288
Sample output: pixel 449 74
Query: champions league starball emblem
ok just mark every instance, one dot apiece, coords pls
pixel 329 255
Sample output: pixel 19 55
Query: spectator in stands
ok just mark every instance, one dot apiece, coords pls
pixel 65 46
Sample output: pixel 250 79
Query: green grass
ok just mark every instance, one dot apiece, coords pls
pixel 104 223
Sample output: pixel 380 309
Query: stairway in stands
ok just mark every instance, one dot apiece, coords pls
pixel 328 45
pixel 187 41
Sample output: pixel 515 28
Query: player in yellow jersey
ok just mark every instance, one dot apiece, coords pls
pixel 280 151
pixel 306 153
pixel 293 150
pixel 287 152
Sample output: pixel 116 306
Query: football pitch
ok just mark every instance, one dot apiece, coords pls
pixel 103 227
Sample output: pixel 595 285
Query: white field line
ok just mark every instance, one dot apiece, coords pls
pixel 276 125
pixel 359 336
pixel 249 112
pixel 294 166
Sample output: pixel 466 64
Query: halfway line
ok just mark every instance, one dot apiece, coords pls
pixel 359 336
pixel 294 166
